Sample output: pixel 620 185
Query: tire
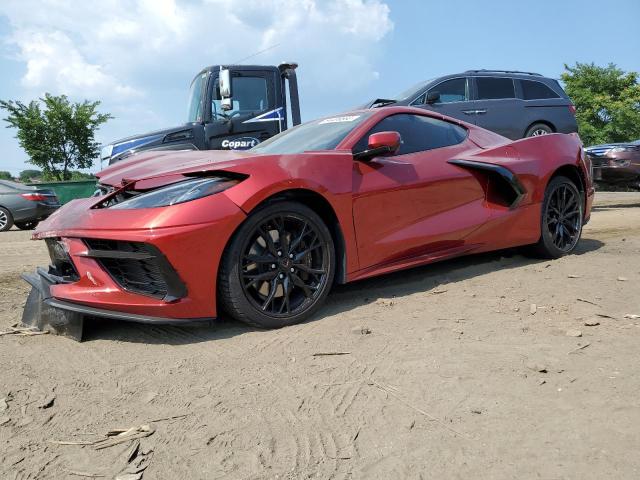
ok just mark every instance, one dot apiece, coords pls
pixel 538 129
pixel 27 225
pixel 560 226
pixel 278 267
pixel 6 220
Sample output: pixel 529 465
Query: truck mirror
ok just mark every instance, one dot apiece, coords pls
pixel 224 81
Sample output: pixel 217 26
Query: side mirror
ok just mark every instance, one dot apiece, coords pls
pixel 224 81
pixel 381 143
pixel 432 97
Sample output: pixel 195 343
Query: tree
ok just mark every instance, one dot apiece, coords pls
pixel 27 175
pixel 607 102
pixel 5 175
pixel 59 136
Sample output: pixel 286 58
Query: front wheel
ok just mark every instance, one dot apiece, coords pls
pixel 561 219
pixel 278 267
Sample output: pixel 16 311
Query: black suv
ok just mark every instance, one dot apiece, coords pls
pixel 512 104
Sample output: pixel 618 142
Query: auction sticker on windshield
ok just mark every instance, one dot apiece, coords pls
pixel 346 118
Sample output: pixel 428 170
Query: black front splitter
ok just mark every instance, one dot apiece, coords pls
pixel 67 318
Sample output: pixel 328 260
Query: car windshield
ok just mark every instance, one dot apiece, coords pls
pixel 412 90
pixel 637 142
pixel 323 134
pixel 194 112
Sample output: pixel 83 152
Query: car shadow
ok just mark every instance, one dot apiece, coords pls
pixel 343 298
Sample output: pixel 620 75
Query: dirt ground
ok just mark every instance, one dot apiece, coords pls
pixel 448 371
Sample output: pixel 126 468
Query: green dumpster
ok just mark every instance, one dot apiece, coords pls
pixel 67 191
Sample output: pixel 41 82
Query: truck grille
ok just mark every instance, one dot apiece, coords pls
pixel 138 268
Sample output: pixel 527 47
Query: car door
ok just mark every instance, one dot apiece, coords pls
pixel 454 99
pixel 414 203
pixel 497 108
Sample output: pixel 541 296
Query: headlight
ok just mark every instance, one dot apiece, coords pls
pixel 177 193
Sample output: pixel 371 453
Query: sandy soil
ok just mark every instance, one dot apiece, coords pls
pixel 448 372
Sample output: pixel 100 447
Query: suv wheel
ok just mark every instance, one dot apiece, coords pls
pixel 538 129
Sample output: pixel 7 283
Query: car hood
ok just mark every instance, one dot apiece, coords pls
pixel 168 165
pixel 609 145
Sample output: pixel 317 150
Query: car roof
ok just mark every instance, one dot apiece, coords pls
pixel 16 185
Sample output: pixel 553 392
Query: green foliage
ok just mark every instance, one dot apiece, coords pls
pixel 73 175
pixel 27 176
pixel 5 175
pixel 607 102
pixel 57 136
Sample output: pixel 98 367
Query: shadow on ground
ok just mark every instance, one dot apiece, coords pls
pixel 342 298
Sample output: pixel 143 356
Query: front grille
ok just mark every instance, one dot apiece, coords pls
pixel 137 267
pixel 598 151
pixel 599 162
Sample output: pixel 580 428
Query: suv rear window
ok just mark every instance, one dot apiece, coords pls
pixel 491 88
pixel 532 90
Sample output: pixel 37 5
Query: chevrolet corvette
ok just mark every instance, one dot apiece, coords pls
pixel 263 234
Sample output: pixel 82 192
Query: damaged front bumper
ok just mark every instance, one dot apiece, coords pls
pixel 47 313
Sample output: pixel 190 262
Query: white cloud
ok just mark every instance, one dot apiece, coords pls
pixel 52 60
pixel 138 56
pixel 103 49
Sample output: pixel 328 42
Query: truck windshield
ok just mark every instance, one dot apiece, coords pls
pixel 194 113
pixel 323 134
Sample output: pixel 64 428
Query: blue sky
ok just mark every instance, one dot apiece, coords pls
pixel 138 57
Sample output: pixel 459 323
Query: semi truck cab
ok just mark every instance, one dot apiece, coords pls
pixel 230 108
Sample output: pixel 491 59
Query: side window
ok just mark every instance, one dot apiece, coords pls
pixel 532 90
pixel 418 133
pixel 249 96
pixel 454 90
pixel 492 88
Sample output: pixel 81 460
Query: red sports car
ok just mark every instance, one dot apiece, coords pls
pixel 263 234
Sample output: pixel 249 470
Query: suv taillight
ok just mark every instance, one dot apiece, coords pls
pixel 572 109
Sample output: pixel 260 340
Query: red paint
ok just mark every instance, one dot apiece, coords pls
pixel 394 211
pixel 385 139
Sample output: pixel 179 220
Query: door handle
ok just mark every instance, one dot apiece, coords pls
pixel 480 112
pixel 469 112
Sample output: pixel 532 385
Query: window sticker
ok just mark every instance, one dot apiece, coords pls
pixel 346 118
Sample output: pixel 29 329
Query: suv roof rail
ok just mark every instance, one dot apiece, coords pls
pixel 503 71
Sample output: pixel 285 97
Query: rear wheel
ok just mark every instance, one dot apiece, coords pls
pixel 27 225
pixel 538 129
pixel 561 219
pixel 278 267
pixel 6 220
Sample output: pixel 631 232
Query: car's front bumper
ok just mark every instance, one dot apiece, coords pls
pixel 609 174
pixel 45 312
pixel 190 238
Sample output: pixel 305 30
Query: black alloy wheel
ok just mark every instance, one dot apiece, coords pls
pixel 562 217
pixel 278 267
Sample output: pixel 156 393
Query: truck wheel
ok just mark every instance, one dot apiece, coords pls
pixel 27 225
pixel 561 219
pixel 538 129
pixel 6 220
pixel 278 267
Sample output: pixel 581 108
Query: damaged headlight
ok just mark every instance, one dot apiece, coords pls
pixel 177 193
